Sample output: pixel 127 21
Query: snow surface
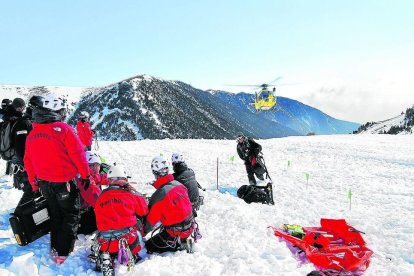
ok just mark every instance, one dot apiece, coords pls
pixel 377 168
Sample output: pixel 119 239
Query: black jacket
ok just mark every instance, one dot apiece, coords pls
pixel 186 176
pixel 21 128
pixel 247 149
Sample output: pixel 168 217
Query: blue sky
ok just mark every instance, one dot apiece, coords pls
pixel 341 54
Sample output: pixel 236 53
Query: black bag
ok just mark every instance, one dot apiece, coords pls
pixel 6 146
pixel 251 193
pixel 259 167
pixel 30 221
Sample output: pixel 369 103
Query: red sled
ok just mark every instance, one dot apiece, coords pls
pixel 335 245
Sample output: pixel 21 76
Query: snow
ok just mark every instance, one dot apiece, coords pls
pixel 377 168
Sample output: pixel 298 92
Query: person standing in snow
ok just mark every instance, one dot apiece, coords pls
pixel 185 175
pixel 54 156
pixel 171 206
pixel 248 150
pixel 120 213
pixel 4 105
pixel 20 128
pixel 83 128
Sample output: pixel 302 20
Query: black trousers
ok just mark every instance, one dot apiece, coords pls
pixel 87 223
pixel 63 201
pixel 250 172
pixel 162 242
pixel 21 182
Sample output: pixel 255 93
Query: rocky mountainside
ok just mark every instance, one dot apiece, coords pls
pixel 144 107
pixel 401 124
pixel 302 118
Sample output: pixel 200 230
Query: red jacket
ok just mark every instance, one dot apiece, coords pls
pixel 117 208
pixel 100 179
pixel 89 196
pixel 54 153
pixel 85 132
pixel 170 203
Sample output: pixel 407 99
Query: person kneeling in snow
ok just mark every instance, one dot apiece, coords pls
pixel 119 214
pixel 171 206
pixel 185 175
pixel 90 194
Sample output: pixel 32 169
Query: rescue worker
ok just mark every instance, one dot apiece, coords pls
pixel 54 156
pixel 120 213
pixel 171 206
pixel 248 150
pixel 83 128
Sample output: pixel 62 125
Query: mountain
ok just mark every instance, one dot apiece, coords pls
pixel 401 124
pixel 293 114
pixel 71 94
pixel 144 107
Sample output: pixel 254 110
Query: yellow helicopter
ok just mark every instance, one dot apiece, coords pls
pixel 264 99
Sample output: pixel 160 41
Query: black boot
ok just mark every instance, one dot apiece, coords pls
pixel 107 266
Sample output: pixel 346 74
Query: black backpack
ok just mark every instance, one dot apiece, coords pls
pixel 251 193
pixel 6 142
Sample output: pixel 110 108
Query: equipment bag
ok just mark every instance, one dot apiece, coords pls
pixel 30 221
pixel 251 193
pixel 6 146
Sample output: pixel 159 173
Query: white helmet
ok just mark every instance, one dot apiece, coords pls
pixel 116 171
pixel 84 115
pixel 177 157
pixel 93 157
pixel 159 166
pixel 53 102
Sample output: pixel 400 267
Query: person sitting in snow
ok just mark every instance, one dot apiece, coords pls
pixel 171 206
pixel 119 211
pixel 90 194
pixel 83 128
pixel 53 157
pixel 248 150
pixel 185 175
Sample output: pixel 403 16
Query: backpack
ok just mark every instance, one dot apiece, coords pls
pixel 7 150
pixel 251 193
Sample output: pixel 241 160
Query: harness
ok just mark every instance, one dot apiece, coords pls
pixel 16 168
pixel 125 256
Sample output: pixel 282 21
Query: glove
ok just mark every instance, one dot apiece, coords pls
pixel 35 186
pixel 37 194
pixel 86 182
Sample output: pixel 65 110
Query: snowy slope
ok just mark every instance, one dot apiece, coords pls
pixel 385 125
pixel 377 168
pixel 72 94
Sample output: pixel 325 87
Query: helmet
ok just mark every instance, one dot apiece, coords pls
pixel 36 101
pixel 116 171
pixel 84 115
pixel 93 157
pixel 159 166
pixel 53 102
pixel 177 157
pixel 5 103
pixel 240 138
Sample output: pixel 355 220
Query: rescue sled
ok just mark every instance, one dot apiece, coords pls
pixel 334 245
